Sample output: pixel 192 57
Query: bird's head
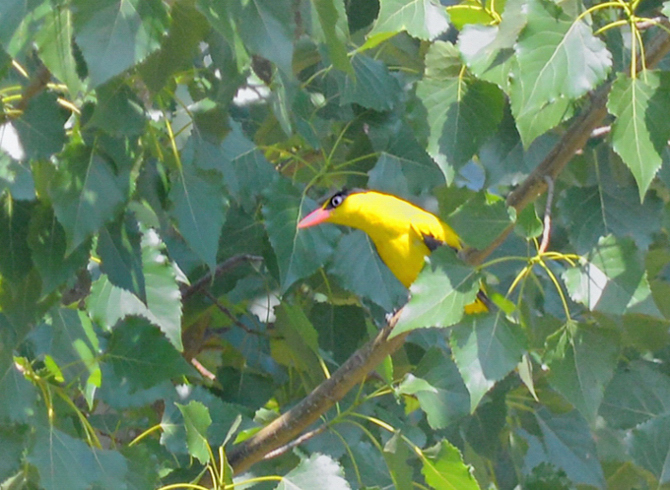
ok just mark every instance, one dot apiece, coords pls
pixel 332 210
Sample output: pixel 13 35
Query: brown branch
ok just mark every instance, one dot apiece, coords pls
pixel 221 269
pixel 355 369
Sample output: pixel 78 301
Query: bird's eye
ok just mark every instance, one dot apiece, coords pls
pixel 336 200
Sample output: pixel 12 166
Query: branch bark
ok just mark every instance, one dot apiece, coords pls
pixel 356 368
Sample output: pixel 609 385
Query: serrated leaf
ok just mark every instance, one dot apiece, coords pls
pixel 65 462
pixel 486 348
pixel 461 114
pixel 333 21
pixel 246 172
pixel 361 271
pixel 638 392
pixel 439 388
pixel 480 220
pixel 373 86
pixel 140 354
pixel 423 19
pixel 594 212
pixel 569 445
pixel 582 361
pixel 41 127
pixel 199 207
pixel 47 242
pixel 649 445
pixel 641 130
pixel 266 27
pixel 197 421
pixel 86 193
pixel 444 469
pixel 317 471
pixel 114 35
pixel 489 50
pixel 108 304
pixel 299 252
pixel 119 249
pixel 612 280
pixel 559 58
pixel 440 293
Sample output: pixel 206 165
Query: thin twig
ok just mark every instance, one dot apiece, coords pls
pixel 296 442
pixel 229 314
pixel 220 269
pixel 546 232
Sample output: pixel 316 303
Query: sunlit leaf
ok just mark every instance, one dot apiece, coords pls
pixel 317 471
pixel 480 220
pixel 423 19
pixel 444 469
pixel 197 421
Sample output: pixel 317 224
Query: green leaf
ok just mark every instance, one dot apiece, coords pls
pixel 372 87
pixel 444 468
pixel 568 444
pixel 612 280
pixel 486 348
pixel 593 212
pixel 423 19
pixel 197 421
pixel 641 130
pixel 317 471
pixel 581 362
pixel 119 249
pixel 140 354
pixel 439 388
pixel 12 442
pixel 19 400
pixel 361 271
pixel 488 51
pixel 332 19
pixel 558 58
pixel 47 242
pixel 86 193
pixel 199 208
pixel 461 114
pixel 41 127
pixel 108 304
pixel 246 172
pixel 266 27
pixel 65 462
pixel 649 445
pixel 114 35
pixel 15 260
pixel 118 110
pixel 481 220
pixel 16 177
pixel 528 224
pixel 340 329
pixel 638 392
pixel 440 293
pixel 54 42
pixel 299 252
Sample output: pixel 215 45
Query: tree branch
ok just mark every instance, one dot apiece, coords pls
pixel 355 369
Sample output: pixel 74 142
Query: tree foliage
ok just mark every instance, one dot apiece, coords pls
pixel 164 322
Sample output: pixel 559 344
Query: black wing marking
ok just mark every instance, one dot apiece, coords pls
pixel 431 242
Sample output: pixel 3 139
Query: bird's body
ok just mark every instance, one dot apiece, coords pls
pixel 404 234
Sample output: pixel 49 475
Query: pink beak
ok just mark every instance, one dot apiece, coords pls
pixel 314 218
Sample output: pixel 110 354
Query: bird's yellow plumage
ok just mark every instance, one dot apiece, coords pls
pixel 402 232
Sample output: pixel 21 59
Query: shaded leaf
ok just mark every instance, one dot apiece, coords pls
pixel 299 252
pixel 15 259
pixel 15 176
pixel 637 392
pixel 423 19
pixel 373 85
pixel 114 35
pixel 86 193
pixel 439 294
pixel 612 279
pixel 649 445
pixel 118 110
pixel 641 130
pixel 54 42
pixel 361 271
pixel 486 348
pixel 481 220
pixel 140 354
pixel 63 461
pixel 332 19
pixel 41 127
pixel 444 469
pixel 582 361
pixel 439 388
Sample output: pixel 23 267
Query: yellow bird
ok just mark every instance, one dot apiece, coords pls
pixel 402 232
